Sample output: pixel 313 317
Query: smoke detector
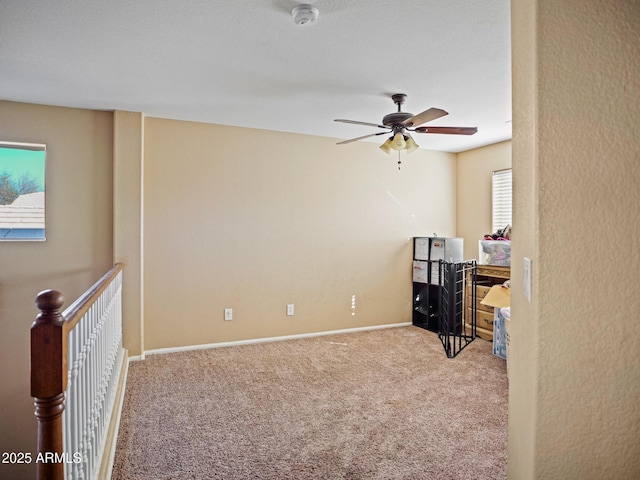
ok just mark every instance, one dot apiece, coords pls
pixel 305 14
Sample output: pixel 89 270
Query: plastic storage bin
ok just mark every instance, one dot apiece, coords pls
pixel 494 252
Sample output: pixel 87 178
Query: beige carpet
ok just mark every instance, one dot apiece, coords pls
pixel 381 404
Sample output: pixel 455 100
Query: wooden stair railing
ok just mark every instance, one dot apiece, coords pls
pixel 50 371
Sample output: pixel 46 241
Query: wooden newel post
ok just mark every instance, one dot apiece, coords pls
pixel 49 381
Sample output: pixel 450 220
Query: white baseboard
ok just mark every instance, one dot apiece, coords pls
pixel 159 351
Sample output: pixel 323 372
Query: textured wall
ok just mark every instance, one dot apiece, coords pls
pixel 576 172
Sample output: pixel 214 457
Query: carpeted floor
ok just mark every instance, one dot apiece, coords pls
pixel 380 404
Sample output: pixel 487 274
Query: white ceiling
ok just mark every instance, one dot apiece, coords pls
pixel 245 62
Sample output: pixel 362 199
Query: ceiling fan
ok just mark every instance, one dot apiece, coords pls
pixel 400 123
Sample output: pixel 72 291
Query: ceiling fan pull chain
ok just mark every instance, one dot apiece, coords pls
pixel 399 162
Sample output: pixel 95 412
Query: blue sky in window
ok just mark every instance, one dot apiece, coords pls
pixel 17 162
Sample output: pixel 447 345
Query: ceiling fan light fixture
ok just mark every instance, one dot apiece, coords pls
pixel 412 146
pixel 386 146
pixel 398 142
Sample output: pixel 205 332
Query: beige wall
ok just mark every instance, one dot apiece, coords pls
pixel 128 213
pixel 253 220
pixel 78 249
pixel 575 373
pixel 473 186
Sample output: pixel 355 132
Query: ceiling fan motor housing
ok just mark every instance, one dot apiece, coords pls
pixel 396 118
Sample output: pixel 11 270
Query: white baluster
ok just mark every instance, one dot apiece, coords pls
pixel 95 357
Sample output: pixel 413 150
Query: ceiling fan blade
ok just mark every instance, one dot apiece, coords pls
pixel 449 130
pixel 360 138
pixel 424 117
pixel 360 123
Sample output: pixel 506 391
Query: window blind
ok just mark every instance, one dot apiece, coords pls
pixel 501 199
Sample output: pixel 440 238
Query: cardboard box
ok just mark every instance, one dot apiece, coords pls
pixel 499 297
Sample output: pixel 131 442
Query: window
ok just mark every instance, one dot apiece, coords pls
pixel 22 191
pixel 501 199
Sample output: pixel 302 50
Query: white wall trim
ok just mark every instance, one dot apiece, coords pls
pixel 159 351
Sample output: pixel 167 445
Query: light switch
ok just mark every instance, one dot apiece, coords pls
pixel 526 283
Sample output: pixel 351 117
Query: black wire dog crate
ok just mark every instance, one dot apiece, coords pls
pixel 457 318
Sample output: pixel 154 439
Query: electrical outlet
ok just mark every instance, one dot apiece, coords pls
pixel 228 314
pixel 290 309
